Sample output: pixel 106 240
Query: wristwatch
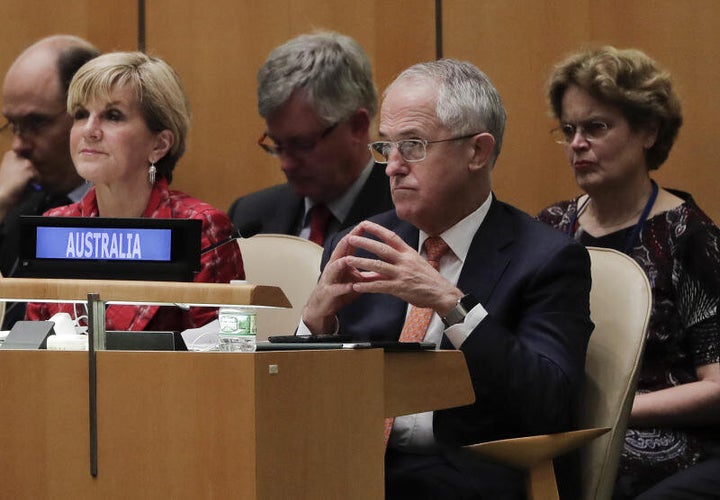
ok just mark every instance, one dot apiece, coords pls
pixel 457 314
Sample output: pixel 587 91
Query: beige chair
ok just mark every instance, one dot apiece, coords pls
pixel 2 306
pixel 289 262
pixel 620 303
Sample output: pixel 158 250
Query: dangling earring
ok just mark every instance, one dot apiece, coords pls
pixel 151 173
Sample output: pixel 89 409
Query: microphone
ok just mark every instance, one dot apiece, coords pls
pixel 220 243
pixel 250 229
pixel 246 231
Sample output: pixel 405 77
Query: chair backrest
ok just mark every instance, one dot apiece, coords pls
pixel 290 262
pixel 620 304
pixel 2 307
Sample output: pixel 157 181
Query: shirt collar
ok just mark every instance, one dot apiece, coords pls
pixel 460 236
pixel 341 206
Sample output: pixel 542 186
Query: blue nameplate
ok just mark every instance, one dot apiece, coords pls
pixel 103 243
pixel 109 248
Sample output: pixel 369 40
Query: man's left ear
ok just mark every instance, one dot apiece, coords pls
pixel 483 146
pixel 164 140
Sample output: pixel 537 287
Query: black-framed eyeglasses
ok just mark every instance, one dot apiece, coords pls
pixel 411 150
pixel 298 145
pixel 30 124
pixel 591 130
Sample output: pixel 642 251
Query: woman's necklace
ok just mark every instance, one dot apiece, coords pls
pixel 632 235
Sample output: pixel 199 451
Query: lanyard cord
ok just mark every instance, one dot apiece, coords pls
pixel 633 235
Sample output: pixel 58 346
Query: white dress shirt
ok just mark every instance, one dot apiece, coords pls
pixel 340 207
pixel 414 433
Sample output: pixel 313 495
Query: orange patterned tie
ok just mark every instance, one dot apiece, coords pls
pixel 418 319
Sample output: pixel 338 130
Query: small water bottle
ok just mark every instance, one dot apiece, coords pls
pixel 237 329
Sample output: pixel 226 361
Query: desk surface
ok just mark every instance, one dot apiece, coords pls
pixel 142 292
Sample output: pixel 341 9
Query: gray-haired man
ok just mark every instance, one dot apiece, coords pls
pixel 318 100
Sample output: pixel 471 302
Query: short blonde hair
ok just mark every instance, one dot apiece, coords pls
pixel 629 80
pixel 157 87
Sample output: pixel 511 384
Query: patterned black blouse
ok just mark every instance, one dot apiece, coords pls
pixel 680 252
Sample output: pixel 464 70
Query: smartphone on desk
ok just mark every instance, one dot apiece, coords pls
pixel 308 339
pixel 388 345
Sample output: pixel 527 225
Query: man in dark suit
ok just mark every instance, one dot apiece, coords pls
pixel 37 173
pixel 508 293
pixel 317 97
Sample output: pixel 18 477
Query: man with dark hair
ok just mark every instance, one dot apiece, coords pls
pixel 37 173
pixel 318 100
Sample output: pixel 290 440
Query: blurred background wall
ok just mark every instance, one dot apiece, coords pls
pixel 218 46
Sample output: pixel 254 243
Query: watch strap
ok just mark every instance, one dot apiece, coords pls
pixel 457 314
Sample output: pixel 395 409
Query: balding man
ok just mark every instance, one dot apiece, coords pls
pixel 37 173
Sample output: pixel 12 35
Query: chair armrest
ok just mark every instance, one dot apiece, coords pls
pixel 527 452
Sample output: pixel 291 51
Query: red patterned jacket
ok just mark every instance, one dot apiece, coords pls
pixel 216 266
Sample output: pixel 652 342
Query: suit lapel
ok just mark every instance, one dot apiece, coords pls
pixel 409 233
pixel 288 214
pixel 373 198
pixel 489 254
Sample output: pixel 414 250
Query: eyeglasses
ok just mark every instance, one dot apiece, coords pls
pixel 411 150
pixel 591 130
pixel 293 146
pixel 31 124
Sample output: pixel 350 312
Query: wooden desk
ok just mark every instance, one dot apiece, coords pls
pixel 141 292
pixel 267 425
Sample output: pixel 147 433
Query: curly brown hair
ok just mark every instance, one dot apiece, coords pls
pixel 629 80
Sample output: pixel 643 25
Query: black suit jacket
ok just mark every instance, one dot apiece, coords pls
pixel 278 209
pixel 526 358
pixel 35 203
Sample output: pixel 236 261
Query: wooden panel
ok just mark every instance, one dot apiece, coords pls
pixel 193 425
pixel 517 43
pixel 108 25
pixel 51 422
pixel 683 37
pixel 175 423
pixel 139 292
pixel 270 425
pixel 218 51
pixel 404 35
pixel 345 388
pixel 412 384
